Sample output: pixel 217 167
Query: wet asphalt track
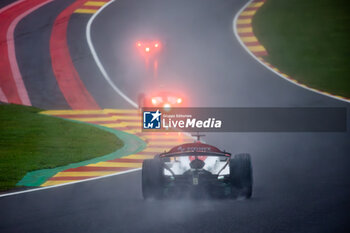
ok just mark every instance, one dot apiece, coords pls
pixel 301 179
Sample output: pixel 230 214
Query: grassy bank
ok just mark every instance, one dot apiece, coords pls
pixel 30 141
pixel 309 40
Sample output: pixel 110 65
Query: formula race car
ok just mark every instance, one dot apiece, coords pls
pixel 163 99
pixel 197 170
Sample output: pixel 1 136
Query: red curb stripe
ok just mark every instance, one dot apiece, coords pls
pixel 177 141
pixel 262 53
pixel 245 34
pixel 125 114
pixel 128 127
pixel 7 83
pixel 97 169
pixel 126 160
pixel 145 153
pixel 71 178
pixel 255 43
pixel 153 138
pixel 162 148
pixel 16 74
pixel 169 139
pixel 129 120
pixel 11 80
pixel 72 88
pixel 245 17
pixel 117 121
pixel 246 25
pixel 100 122
pixel 124 128
pixel 157 146
pixel 82 116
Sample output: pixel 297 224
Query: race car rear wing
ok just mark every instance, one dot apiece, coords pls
pixel 194 153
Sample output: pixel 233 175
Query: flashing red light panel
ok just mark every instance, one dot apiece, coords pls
pixel 162 99
pixel 148 47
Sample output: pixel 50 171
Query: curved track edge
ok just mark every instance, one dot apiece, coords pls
pixel 267 65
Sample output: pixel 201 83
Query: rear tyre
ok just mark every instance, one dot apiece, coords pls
pixel 152 179
pixel 241 176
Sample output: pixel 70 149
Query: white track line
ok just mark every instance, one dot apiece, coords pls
pixel 97 60
pixel 12 56
pixel 11 5
pixel 269 68
pixel 22 91
pixel 3 96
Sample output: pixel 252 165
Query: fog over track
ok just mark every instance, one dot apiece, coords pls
pixel 301 180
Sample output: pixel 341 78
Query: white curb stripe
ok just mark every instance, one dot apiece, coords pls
pixel 22 91
pixel 3 96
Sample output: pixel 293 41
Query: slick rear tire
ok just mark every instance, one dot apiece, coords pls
pixel 241 176
pixel 152 179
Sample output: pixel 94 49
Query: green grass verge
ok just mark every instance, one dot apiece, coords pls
pixel 308 40
pixel 30 141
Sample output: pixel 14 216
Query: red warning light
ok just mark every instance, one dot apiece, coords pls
pixel 148 48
